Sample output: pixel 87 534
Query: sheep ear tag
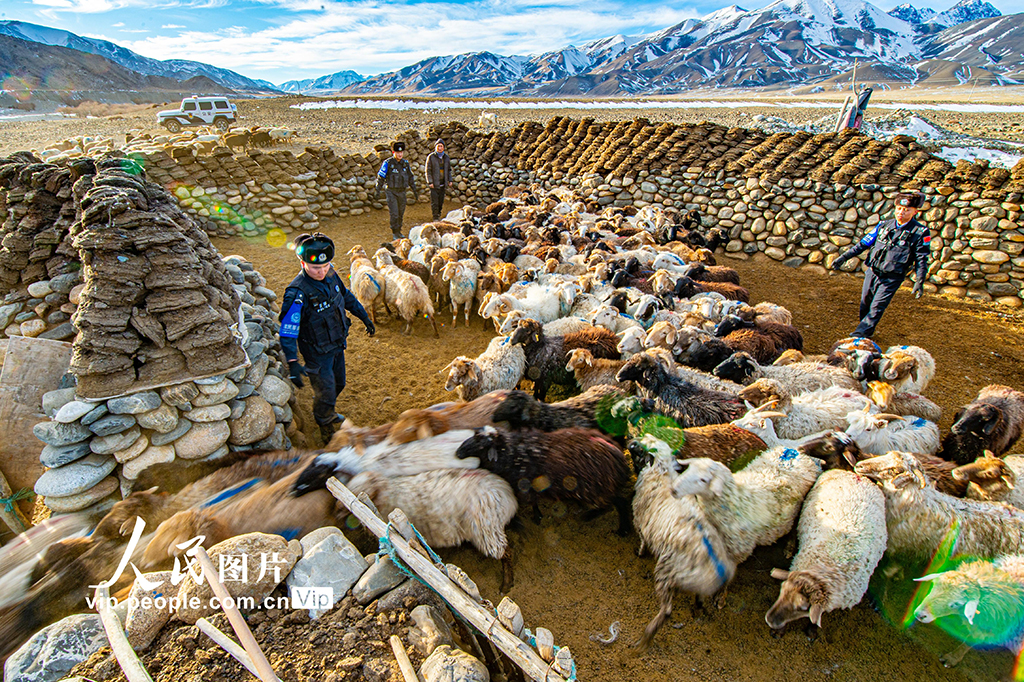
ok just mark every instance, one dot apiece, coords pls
pixel 971 610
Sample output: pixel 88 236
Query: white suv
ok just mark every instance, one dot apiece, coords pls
pixel 199 111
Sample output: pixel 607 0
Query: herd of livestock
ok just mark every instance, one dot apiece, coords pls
pixel 694 414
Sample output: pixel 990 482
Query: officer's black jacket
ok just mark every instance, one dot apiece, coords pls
pixel 323 326
pixel 895 250
pixel 396 175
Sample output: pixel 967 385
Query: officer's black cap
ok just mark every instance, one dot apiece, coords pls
pixel 398 146
pixel 910 199
pixel 315 249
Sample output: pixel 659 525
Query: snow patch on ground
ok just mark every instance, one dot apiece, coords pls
pixel 993 156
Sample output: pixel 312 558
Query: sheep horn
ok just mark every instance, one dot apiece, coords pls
pixel 889 417
pixel 927 578
pixel 780 574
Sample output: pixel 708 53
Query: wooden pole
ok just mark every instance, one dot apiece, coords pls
pixel 259 661
pixel 14 519
pixel 487 623
pixel 227 644
pixel 126 657
pixel 408 672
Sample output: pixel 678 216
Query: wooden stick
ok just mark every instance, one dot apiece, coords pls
pixel 227 603
pixel 408 672
pixel 14 519
pixel 487 623
pixel 227 644
pixel 126 657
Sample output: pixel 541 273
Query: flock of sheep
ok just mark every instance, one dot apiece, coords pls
pixel 696 416
pixel 754 437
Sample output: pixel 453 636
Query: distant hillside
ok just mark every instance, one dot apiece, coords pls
pixel 177 69
pixel 37 73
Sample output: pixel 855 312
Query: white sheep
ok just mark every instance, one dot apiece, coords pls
pixel 798 416
pixel 461 276
pixel 797 378
pixel 405 292
pixel 366 282
pixel 919 517
pixel 487 119
pixel 400 459
pixel 842 537
pixel 691 554
pixel 908 368
pixel 877 434
pixel 611 319
pixel 631 342
pixel 755 506
pixel 559 327
pixel 501 366
pixel 989 595
pixel 759 422
pixel 448 507
pixel 537 303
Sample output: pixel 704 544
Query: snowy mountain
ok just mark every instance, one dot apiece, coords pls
pixel 966 10
pixel 329 83
pixel 912 15
pixel 178 69
pixel 789 42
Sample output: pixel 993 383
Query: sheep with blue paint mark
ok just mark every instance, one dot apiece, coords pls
pixel 461 276
pixel 692 556
pixel 366 282
pixel 755 506
pixel 877 434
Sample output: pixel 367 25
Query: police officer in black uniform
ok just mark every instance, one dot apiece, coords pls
pixel 897 246
pixel 395 176
pixel 313 322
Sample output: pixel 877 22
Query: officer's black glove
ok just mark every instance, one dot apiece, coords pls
pixel 371 329
pixel 837 263
pixel 918 289
pixel 295 373
pixel 376 194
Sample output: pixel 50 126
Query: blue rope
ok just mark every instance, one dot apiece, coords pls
pixel 8 502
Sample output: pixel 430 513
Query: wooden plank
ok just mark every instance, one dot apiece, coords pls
pixel 31 368
pixel 483 620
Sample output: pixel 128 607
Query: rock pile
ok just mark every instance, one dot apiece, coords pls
pixel 248 408
pixel 176 353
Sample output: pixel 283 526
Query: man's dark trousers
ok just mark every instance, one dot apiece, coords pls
pixel 874 299
pixel 396 209
pixel 436 200
pixel 327 378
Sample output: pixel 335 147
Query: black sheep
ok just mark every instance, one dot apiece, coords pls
pixel 520 410
pixel 687 403
pixel 708 355
pixel 993 421
pixel 574 464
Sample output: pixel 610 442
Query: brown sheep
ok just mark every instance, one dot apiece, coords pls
pixel 590 371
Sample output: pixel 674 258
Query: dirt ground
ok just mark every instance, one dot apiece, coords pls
pixel 576 579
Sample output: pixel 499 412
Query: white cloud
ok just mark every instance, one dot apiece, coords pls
pixel 169 26
pixel 99 6
pixel 371 36
pixel 117 25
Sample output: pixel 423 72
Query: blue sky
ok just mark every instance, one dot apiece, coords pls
pixel 281 40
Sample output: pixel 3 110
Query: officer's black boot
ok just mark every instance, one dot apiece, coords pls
pixel 326 431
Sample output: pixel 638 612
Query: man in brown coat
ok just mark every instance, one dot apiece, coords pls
pixel 439 175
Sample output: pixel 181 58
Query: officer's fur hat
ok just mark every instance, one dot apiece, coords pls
pixel 910 199
pixel 398 146
pixel 315 249
pixel 439 141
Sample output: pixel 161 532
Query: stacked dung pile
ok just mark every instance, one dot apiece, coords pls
pixel 162 323
pixel 158 304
